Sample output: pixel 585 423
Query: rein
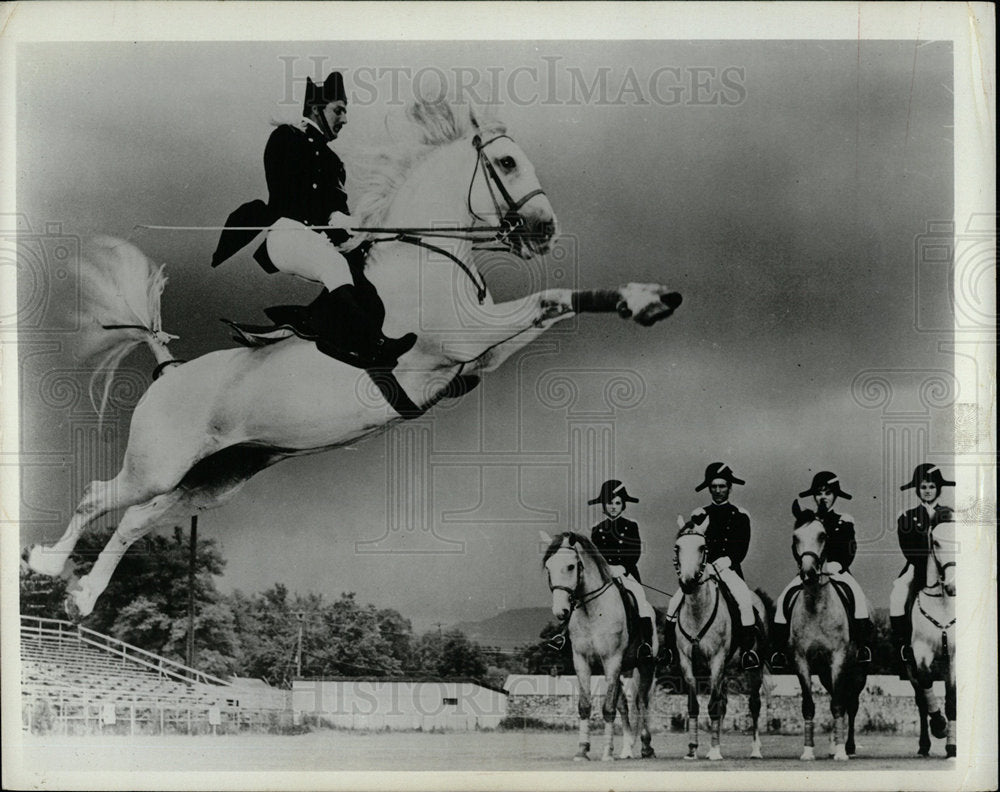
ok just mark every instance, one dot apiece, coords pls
pixel 696 639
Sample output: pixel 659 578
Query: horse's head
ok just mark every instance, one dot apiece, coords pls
pixel 808 543
pixel 943 550
pixel 689 555
pixel 505 189
pixel 570 561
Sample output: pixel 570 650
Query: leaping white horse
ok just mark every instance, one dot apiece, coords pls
pixel 202 430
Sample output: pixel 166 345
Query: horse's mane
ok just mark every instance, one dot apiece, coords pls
pixel 585 546
pixel 435 122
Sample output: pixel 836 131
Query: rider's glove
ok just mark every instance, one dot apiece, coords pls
pixel 616 570
pixel 343 222
pixel 834 567
pixel 721 563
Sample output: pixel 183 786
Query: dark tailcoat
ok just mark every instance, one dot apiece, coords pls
pixel 619 543
pixel 727 533
pixel 913 529
pixel 841 544
pixel 305 182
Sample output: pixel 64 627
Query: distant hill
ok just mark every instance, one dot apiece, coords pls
pixel 508 629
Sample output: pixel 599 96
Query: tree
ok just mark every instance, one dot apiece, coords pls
pixel 146 601
pixel 450 654
pixel 540 658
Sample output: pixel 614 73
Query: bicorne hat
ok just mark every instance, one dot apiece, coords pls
pixel 718 470
pixel 613 489
pixel 332 90
pixel 927 472
pixel 826 479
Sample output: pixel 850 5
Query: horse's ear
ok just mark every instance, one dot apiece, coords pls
pixel 796 509
pixel 545 537
pixel 680 520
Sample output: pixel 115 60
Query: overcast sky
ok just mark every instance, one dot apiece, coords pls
pixel 781 187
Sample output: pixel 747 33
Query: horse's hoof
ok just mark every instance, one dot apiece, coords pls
pixel 939 726
pixel 924 753
pixel 756 754
pixel 808 755
pixel 648 753
pixel 608 758
pixel 691 756
pixel 581 758
pixel 714 755
pixel 43 561
pixel 79 602
pixel 840 755
pixel 950 751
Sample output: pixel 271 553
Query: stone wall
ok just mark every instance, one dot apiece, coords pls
pixel 779 714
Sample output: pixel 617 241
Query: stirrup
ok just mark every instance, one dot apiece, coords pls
pixel 750 660
pixel 864 655
pixel 556 642
pixel 645 651
pixel 778 660
pixel 906 653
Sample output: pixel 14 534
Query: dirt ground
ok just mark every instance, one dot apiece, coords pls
pixel 475 751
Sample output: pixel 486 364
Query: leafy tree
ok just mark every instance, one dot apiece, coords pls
pixel 539 658
pixel 450 654
pixel 41 595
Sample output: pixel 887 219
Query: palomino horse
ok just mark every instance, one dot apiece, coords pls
pixel 706 633
pixel 820 639
pixel 584 591
pixel 207 426
pixel 933 636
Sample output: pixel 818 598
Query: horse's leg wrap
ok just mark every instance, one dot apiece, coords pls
pixel 692 732
pixel 596 301
pixel 809 733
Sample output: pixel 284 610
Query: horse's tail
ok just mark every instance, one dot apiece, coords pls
pixel 119 310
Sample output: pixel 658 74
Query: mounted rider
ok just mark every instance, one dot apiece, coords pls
pixel 840 550
pixel 913 530
pixel 727 540
pixel 305 182
pixel 618 540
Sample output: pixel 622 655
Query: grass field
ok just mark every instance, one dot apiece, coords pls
pixel 472 751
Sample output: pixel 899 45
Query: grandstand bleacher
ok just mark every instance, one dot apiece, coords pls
pixel 75 680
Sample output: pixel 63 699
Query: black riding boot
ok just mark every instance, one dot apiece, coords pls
pixel 748 647
pixel 645 651
pixel 779 644
pixel 901 632
pixel 349 323
pixel 668 652
pixel 863 633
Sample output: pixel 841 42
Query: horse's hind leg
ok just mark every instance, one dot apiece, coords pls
pixel 692 720
pixel 582 668
pixel 627 710
pixel 612 674
pixel 642 708
pixel 924 741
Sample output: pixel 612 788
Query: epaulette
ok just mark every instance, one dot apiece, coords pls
pixel 847 518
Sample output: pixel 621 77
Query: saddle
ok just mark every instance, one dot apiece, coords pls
pixel 843 592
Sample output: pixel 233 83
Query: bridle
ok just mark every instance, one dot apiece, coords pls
pixel 700 578
pixel 926 591
pixel 576 599
pixel 510 221
pixel 819 558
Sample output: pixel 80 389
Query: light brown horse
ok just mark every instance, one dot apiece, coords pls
pixel 820 639
pixel 705 632
pixel 584 592
pixel 933 637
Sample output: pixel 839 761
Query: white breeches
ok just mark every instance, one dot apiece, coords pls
pixel 295 249
pixel 900 590
pixel 737 586
pixel 633 585
pixel 860 600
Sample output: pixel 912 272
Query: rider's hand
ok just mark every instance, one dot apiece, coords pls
pixel 722 562
pixel 833 567
pixel 339 220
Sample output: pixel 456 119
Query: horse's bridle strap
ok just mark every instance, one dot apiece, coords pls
pixel 708 623
pixel 492 178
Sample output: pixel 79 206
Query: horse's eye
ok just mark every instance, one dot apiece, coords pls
pixel 507 163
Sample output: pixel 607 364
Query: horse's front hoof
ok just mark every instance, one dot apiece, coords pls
pixel 581 758
pixel 42 560
pixel 840 755
pixel 755 753
pixel 79 602
pixel 939 726
pixel 648 753
pixel 950 751
pixel 691 756
pixel 808 755
pixel 924 753
pixel 608 758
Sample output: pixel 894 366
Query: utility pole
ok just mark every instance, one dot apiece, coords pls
pixel 300 616
pixel 191 560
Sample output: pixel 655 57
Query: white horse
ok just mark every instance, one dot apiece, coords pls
pixel 933 636
pixel 207 426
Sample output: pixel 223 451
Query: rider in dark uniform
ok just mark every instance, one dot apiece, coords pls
pixel 913 529
pixel 618 540
pixel 841 546
pixel 727 540
pixel 305 182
